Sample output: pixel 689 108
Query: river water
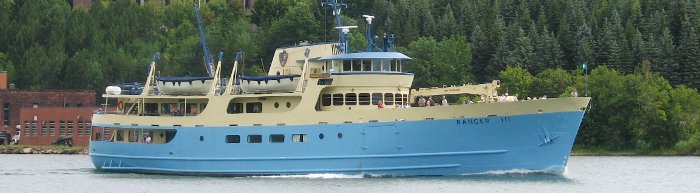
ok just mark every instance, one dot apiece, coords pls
pixel 75 173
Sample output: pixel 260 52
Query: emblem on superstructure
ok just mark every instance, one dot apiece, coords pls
pixel 283 57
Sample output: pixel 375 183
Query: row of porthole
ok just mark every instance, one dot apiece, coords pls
pixel 277 104
pixel 320 136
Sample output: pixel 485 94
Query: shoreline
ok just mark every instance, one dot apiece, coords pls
pixel 29 149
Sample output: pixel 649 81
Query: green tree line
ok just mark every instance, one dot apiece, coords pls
pixel 643 55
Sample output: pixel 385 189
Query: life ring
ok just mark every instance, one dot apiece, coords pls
pixel 120 105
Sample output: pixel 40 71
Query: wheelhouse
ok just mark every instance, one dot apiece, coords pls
pixel 365 62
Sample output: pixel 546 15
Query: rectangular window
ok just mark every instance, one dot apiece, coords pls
pixel 299 138
pixel 233 139
pixel 357 65
pixel 277 138
pixel 27 129
pixel 376 97
pixel 386 66
pixel 62 128
pixel 70 128
pixel 337 99
pixel 366 65
pixel 234 108
pixel 376 65
pixel 326 99
pixel 253 107
pixel 52 128
pixel 398 99
pixel 35 127
pixel 364 98
pixel 254 138
pixel 6 114
pixel 151 109
pixel 44 128
pixel 350 99
pixel 389 99
pixel 170 109
pixel 394 66
pixel 87 127
pixel 81 127
pixel 347 66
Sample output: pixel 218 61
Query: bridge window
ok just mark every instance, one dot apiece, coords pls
pixel 299 138
pixel 233 139
pixel 253 107
pixel 357 65
pixel 350 99
pixel 364 98
pixel 376 97
pixel 389 98
pixel 337 99
pixel 326 99
pixel 347 65
pixel 234 108
pixel 277 138
pixel 376 65
pixel 366 65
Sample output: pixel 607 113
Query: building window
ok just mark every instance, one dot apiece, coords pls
pixel 234 108
pixel 6 114
pixel 350 99
pixel 299 138
pixel 62 128
pixel 326 99
pixel 34 128
pixel 254 138
pixel 35 105
pixel 44 128
pixel 81 127
pixel 364 98
pixel 276 138
pixel 70 128
pixel 52 128
pixel 253 107
pixel 233 139
pixel 27 128
pixel 337 99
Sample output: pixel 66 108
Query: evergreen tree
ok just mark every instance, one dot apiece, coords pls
pixel 689 55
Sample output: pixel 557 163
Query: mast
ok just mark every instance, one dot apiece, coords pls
pixel 338 22
pixel 200 26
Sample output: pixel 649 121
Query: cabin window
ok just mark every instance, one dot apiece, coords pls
pixel 350 99
pixel 337 99
pixel 171 109
pixel 386 65
pixel 192 109
pixel 254 138
pixel 347 65
pixel 150 109
pixel 299 138
pixel 364 98
pixel 277 138
pixel 233 139
pixel 326 99
pixel 366 65
pixel 394 65
pixel 253 107
pixel 389 98
pixel 397 99
pixel 376 65
pixel 234 108
pixel 357 65
pixel 376 97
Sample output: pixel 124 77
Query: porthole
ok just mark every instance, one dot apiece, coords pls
pixel 162 135
pixel 277 105
pixel 201 138
pixel 320 136
pixel 340 135
pixel 289 104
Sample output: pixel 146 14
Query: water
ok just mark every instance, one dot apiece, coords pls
pixel 75 173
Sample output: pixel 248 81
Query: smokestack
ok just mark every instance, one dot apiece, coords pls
pixel 3 80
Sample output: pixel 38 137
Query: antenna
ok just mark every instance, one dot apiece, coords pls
pixel 345 30
pixel 369 31
pixel 336 6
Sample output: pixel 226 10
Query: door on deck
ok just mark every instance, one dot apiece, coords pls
pixel 381 139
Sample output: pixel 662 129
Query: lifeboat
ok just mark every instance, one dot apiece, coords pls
pixel 269 84
pixel 184 85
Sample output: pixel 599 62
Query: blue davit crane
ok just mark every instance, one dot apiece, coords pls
pixel 200 26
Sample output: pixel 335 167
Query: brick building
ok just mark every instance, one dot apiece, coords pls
pixel 36 107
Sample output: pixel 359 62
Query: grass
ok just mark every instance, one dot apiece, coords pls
pixel 584 151
pixel 57 148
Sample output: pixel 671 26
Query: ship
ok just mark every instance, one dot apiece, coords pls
pixel 323 109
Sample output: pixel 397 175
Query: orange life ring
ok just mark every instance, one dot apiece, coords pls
pixel 120 105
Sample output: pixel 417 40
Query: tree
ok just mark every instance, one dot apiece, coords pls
pixel 515 81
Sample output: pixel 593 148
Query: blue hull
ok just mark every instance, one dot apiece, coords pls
pixel 457 146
